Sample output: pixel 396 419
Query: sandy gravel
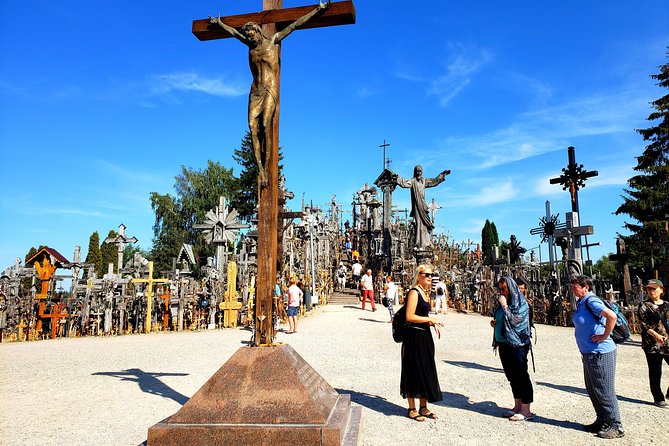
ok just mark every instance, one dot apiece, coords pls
pixel 109 391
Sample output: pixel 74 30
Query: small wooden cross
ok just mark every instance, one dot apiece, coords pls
pixel 165 296
pixel 21 326
pixel 149 294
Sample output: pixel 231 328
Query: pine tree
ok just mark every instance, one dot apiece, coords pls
pixel 31 253
pixel 495 235
pixel 109 253
pixel 487 243
pixel 246 199
pixel 94 255
pixel 648 191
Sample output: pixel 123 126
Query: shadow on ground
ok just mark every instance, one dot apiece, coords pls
pixel 473 365
pixel 374 402
pixel 458 401
pixel 582 391
pixel 148 382
pixel 372 320
pixel 489 408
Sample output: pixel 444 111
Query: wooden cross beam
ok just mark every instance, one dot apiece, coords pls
pixel 340 13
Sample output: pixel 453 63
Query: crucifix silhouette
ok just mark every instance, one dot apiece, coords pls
pixel 573 178
pixel 263 111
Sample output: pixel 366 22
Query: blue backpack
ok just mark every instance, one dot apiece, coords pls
pixel 621 332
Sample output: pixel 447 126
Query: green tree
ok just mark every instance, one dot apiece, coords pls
pixel 246 199
pixel 605 269
pixel 487 243
pixel 109 253
pixel 495 235
pixel 130 250
pixel 197 191
pixel 647 200
pixel 94 255
pixel 31 253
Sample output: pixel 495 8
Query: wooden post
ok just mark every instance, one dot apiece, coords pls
pixel 268 219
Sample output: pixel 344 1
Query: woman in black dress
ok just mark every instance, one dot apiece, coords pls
pixel 419 372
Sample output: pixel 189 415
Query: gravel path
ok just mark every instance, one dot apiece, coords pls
pixel 109 391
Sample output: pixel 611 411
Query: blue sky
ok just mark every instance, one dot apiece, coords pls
pixel 101 103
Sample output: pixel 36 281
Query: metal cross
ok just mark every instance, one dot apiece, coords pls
pixel 573 178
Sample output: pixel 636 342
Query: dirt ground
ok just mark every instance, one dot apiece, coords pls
pixel 109 391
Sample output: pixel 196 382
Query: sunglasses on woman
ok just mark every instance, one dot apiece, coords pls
pixel 427 274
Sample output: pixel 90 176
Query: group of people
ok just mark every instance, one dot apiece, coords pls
pixel 512 336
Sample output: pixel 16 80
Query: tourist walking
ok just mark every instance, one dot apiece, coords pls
pixel 598 354
pixel 418 378
pixel 391 293
pixel 653 319
pixel 440 296
pixel 356 270
pixel 512 338
pixel 295 296
pixel 367 284
pixel 341 276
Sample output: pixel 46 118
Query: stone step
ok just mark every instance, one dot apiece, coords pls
pixel 348 297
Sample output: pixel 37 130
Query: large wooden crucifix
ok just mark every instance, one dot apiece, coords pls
pixel 264 61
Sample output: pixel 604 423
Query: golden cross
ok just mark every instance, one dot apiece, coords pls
pixel 149 294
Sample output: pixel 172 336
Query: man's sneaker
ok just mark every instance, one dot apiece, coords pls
pixel 662 403
pixel 594 427
pixel 611 431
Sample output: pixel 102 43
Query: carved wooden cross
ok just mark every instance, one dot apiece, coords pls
pixel 273 18
pixel 148 293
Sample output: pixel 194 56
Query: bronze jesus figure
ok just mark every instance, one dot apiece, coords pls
pixel 263 97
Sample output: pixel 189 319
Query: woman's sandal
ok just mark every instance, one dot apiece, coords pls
pixel 417 417
pixel 427 413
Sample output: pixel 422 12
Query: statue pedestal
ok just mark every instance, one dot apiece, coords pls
pixel 423 256
pixel 264 395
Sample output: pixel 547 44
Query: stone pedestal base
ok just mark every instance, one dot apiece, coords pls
pixel 423 256
pixel 262 396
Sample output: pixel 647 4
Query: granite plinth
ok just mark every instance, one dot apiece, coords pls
pixel 423 256
pixel 262 396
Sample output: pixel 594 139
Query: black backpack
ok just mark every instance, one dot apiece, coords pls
pixel 621 332
pixel 400 324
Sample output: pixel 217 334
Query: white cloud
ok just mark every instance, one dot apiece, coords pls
pixel 189 81
pixel 463 65
pixel 546 130
pixel 499 192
